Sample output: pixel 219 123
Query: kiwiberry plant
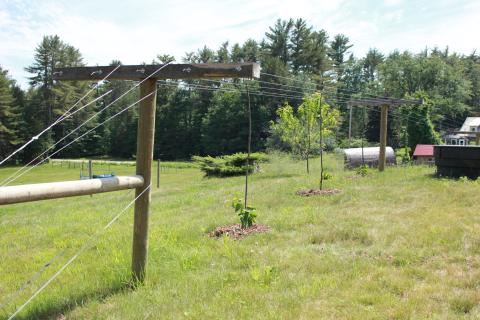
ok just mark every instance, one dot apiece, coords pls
pixel 247 214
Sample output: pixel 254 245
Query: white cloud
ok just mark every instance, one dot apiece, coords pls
pixel 391 3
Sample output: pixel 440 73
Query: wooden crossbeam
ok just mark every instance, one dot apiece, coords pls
pixel 171 71
pixel 55 190
pixel 383 101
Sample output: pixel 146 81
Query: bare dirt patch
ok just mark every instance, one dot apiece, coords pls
pixel 317 192
pixel 235 231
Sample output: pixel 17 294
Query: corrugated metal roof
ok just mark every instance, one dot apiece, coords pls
pixel 470 122
pixel 423 150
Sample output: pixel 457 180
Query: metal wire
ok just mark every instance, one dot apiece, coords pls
pixel 12 177
pixel 46 265
pixel 90 242
pixel 84 134
pixel 65 115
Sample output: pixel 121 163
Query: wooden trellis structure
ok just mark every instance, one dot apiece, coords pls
pixel 384 104
pixel 145 141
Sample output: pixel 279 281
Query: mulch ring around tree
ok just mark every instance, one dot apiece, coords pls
pixel 235 231
pixel 317 192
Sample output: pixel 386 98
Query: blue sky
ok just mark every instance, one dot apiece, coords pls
pixel 136 31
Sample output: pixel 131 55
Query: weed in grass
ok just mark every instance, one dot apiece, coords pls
pixel 462 305
pixel 362 170
pixel 264 275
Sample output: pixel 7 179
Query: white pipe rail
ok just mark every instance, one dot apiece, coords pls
pixel 54 190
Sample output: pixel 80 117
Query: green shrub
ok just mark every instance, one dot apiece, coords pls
pixel 230 165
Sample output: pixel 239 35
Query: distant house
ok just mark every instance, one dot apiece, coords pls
pixel 467 132
pixel 423 154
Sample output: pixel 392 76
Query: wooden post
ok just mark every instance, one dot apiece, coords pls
pixel 477 138
pixel 158 173
pixel 350 126
pixel 90 169
pixel 145 140
pixel 383 138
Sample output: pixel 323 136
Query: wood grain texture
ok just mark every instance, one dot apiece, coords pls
pixel 145 140
pixel 55 190
pixel 171 71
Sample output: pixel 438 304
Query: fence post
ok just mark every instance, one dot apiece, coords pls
pixel 158 173
pixel 383 138
pixel 90 169
pixel 350 126
pixel 145 140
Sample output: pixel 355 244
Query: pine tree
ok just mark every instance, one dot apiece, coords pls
pixel 278 40
pixel 9 117
pixel 301 35
pixel 53 98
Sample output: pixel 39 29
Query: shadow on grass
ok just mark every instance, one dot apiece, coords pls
pixel 54 310
pixel 275 176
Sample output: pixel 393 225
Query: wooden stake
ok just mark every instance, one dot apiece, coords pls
pixel 90 169
pixel 145 140
pixel 383 138
pixel 477 138
pixel 350 126
pixel 158 173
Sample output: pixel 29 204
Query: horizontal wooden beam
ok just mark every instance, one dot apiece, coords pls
pixel 383 101
pixel 54 190
pixel 171 71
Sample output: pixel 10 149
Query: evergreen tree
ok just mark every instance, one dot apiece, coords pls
pixel 251 52
pixel 338 49
pixel 230 110
pixel 300 41
pixel 10 135
pixel 278 39
pixel 320 63
pixel 53 98
pixel 223 55
pixel 370 64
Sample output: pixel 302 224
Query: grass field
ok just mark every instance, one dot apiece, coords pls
pixel 396 245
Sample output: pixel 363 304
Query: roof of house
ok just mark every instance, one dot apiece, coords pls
pixel 470 122
pixel 423 150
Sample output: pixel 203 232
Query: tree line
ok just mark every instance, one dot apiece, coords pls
pixel 203 117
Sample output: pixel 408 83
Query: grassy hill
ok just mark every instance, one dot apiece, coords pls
pixel 394 245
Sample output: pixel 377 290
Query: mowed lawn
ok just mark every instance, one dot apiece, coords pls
pixel 394 245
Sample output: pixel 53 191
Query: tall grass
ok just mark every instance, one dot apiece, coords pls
pixel 394 245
